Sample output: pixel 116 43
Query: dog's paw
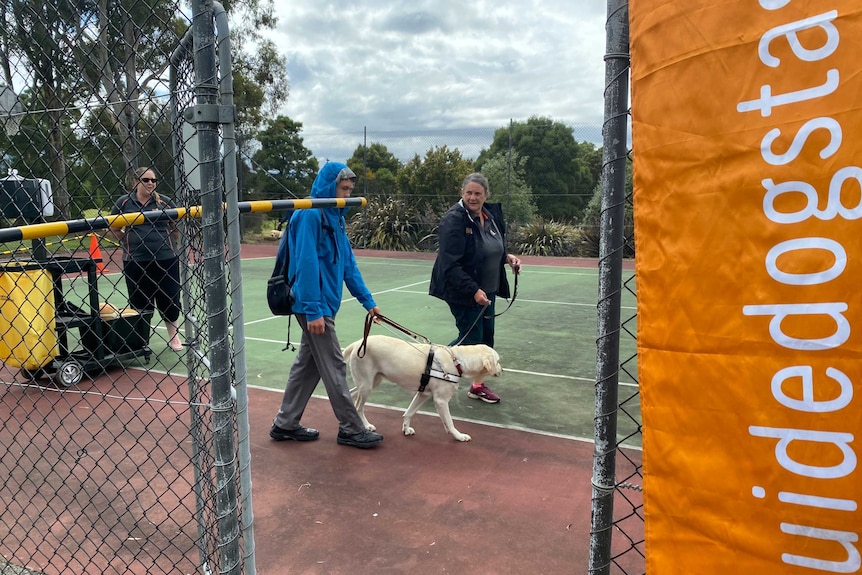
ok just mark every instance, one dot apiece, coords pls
pixel 462 437
pixel 370 427
pixel 408 430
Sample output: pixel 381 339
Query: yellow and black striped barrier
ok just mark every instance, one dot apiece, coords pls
pixel 23 249
pixel 37 231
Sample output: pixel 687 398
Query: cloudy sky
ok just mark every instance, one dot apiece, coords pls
pixel 439 69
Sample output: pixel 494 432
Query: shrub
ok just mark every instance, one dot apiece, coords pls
pixel 546 238
pixel 390 224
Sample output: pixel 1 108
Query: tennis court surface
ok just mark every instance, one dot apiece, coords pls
pixel 511 500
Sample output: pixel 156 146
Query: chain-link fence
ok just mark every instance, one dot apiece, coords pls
pixel 124 444
pixel 120 453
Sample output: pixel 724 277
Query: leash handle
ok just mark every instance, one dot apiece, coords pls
pixel 369 321
pixel 417 336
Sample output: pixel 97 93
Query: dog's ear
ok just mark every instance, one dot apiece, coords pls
pixel 491 362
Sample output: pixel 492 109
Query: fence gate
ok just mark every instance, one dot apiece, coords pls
pixel 119 454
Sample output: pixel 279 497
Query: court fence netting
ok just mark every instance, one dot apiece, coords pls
pixel 118 453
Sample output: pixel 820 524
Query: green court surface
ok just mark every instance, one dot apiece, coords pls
pixel 546 343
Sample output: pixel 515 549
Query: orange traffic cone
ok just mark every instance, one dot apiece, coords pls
pixel 96 253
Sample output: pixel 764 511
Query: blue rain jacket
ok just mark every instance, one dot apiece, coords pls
pixel 321 257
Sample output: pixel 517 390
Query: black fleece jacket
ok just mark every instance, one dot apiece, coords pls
pixel 458 267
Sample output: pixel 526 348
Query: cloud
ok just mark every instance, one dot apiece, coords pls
pixel 425 66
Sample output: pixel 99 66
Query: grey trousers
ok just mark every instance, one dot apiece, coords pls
pixel 319 358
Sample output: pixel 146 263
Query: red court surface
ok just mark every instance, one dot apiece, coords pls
pixel 506 502
pixel 509 501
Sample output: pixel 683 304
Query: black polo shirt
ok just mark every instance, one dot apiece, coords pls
pixel 149 240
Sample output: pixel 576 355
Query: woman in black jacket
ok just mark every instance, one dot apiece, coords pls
pixel 469 271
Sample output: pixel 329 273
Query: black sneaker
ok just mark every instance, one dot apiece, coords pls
pixel 298 434
pixel 363 440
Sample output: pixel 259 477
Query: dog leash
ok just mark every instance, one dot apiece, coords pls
pixel 472 325
pixel 429 364
pixel 380 318
pixel 511 301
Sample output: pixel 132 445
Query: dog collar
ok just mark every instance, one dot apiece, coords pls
pixel 456 362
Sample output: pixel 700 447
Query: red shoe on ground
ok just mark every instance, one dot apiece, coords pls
pixel 482 392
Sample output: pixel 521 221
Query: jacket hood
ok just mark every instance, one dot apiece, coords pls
pixel 324 183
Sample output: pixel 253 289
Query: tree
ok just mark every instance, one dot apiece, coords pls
pixel 106 57
pixel 556 168
pixel 506 180
pixel 285 168
pixel 590 225
pixel 374 157
pixel 260 85
pixel 376 169
pixel 434 181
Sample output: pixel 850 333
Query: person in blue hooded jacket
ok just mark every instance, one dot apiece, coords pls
pixel 322 261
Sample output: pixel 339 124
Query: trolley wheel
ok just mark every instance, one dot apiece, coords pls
pixel 70 373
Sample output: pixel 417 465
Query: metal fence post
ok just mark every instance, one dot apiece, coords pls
pixel 205 116
pixel 610 285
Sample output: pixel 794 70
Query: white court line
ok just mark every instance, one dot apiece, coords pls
pixel 505 369
pixel 402 289
pixel 532 300
pixel 343 301
pixel 473 421
pixel 558 376
pixel 534 268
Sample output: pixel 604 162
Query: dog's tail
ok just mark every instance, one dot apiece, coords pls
pixel 348 351
pixel 348 357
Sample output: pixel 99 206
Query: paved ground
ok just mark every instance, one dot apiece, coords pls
pixel 508 501
pixel 505 502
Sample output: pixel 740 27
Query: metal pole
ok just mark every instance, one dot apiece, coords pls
pixel 610 284
pixel 206 115
pixel 237 320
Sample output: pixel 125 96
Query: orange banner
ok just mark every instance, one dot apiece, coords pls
pixel 747 132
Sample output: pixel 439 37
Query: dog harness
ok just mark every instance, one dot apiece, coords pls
pixel 436 373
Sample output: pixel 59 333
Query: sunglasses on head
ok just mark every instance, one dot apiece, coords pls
pixel 148 180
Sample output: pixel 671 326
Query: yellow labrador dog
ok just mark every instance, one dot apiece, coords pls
pixel 404 363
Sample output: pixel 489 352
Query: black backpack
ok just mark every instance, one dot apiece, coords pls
pixel 279 288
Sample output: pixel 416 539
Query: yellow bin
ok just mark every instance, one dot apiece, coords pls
pixel 28 334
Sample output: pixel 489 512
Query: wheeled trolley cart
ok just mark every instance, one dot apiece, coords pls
pixel 35 320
